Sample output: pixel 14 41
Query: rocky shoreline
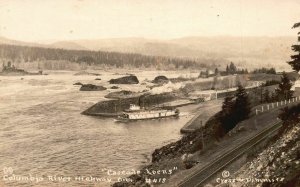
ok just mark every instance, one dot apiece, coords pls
pixel 113 107
pixel 19 72
pixel 11 70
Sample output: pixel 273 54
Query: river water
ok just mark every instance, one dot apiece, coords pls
pixel 42 133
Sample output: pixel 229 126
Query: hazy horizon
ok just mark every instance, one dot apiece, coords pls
pixel 42 21
pixel 161 39
pixel 51 41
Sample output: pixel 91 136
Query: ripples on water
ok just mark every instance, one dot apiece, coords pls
pixel 42 132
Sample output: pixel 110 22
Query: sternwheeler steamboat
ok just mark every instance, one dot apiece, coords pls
pixel 135 113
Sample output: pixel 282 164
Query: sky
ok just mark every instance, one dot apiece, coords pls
pixel 53 20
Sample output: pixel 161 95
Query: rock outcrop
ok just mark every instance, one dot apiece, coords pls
pixel 86 73
pixel 160 80
pixel 131 79
pixel 91 87
pixel 78 83
pixel 114 87
pixel 186 145
pixel 122 94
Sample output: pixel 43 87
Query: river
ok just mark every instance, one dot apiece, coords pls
pixel 43 134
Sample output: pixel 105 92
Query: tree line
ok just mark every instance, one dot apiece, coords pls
pixel 31 54
pixel 265 70
pixel 232 69
pixel 283 92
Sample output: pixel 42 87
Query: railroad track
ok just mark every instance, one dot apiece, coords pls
pixel 198 178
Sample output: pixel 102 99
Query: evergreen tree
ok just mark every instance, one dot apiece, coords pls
pixel 228 118
pixel 234 110
pixel 284 92
pixel 232 68
pixel 242 104
pixel 228 105
pixel 295 63
pixel 272 71
pixel 274 97
pixel 216 71
pixel 227 69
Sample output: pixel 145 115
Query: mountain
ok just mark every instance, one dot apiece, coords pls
pixel 249 52
pixel 134 45
pixel 259 47
pixel 252 52
pixel 67 45
pixel 61 44
pixel 194 47
pixel 4 40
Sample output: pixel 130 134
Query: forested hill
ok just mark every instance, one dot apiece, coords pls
pixel 31 54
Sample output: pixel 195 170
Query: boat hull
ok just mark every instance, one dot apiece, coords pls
pixel 122 119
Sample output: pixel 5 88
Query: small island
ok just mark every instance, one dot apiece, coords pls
pixel 11 70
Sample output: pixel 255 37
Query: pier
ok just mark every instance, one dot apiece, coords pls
pixel 204 112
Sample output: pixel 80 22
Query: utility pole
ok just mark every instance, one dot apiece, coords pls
pixel 202 135
pixel 261 94
pixel 255 122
